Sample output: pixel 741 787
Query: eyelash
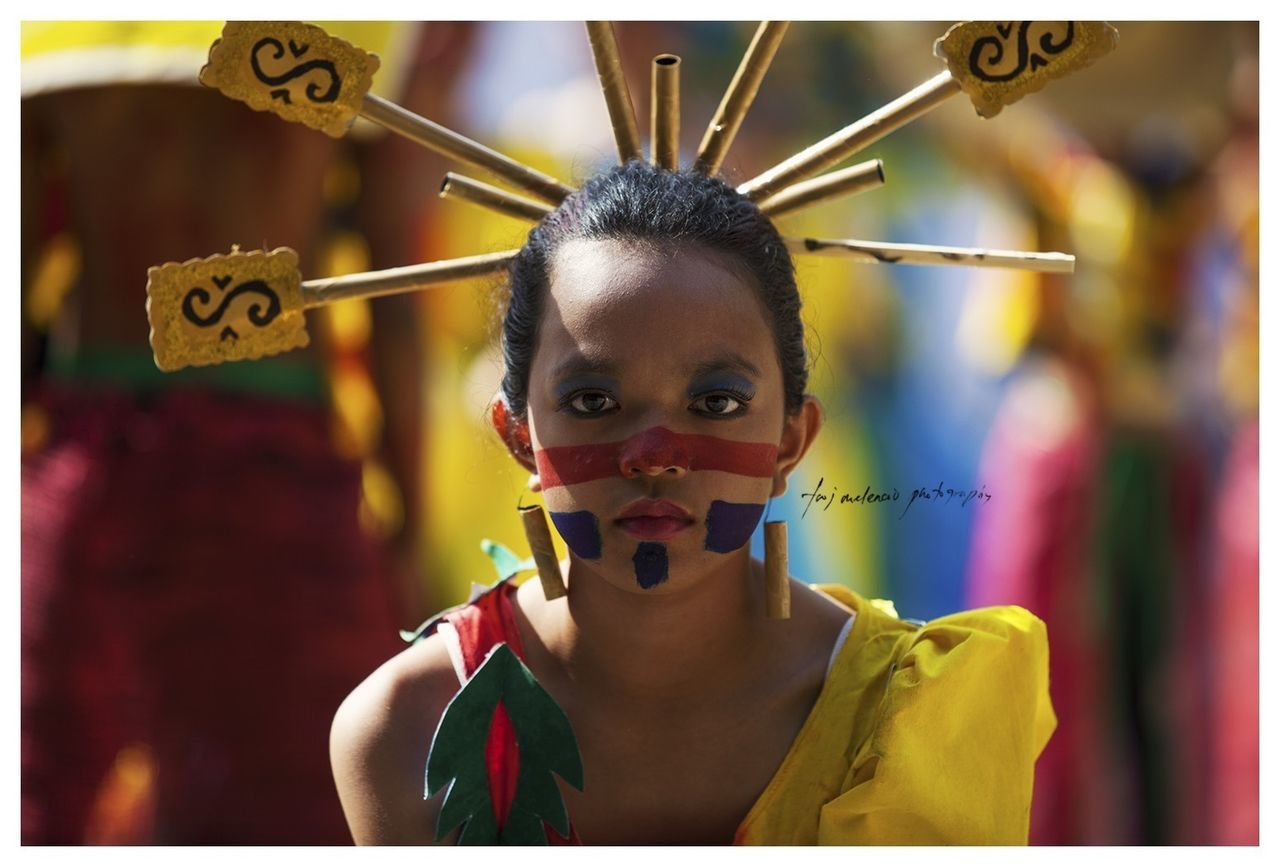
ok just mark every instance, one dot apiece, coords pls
pixel 566 403
pixel 742 399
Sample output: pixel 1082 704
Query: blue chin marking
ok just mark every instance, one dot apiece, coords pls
pixel 730 525
pixel 580 531
pixel 651 564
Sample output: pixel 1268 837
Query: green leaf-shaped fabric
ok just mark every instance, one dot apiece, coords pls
pixel 544 740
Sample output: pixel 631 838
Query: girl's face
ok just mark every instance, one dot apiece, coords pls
pixel 656 411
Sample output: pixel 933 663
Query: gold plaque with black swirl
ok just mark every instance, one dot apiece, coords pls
pixel 225 308
pixel 293 69
pixel 999 62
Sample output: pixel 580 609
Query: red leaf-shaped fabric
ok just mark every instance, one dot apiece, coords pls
pixel 502 760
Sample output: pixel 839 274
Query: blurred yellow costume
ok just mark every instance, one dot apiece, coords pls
pixel 921 735
pixel 60 54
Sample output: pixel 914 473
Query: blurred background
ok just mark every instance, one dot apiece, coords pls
pixel 212 559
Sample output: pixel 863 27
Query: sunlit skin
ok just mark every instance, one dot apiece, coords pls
pixel 684 697
pixel 635 352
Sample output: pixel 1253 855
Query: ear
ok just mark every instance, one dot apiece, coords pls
pixel 798 432
pixel 514 433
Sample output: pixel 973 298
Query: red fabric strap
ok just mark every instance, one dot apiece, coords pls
pixel 485 623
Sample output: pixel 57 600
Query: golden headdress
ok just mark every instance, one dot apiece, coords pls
pixel 246 305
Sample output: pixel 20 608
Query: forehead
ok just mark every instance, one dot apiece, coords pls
pixel 622 299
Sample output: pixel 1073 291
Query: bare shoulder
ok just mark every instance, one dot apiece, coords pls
pixel 379 742
pixel 808 601
pixel 816 622
pixel 820 616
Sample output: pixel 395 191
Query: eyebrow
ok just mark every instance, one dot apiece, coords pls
pixel 726 361
pixel 579 363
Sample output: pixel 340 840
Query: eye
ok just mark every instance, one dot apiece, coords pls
pixel 591 403
pixel 720 403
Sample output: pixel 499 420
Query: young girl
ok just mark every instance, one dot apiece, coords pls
pixel 655 390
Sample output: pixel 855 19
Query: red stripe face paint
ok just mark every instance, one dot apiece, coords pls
pixel 655 447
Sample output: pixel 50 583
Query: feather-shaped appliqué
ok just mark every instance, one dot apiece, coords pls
pixel 499 742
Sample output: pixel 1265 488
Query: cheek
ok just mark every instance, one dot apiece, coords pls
pixel 575 515
pixel 575 465
pixel 730 525
pixel 580 531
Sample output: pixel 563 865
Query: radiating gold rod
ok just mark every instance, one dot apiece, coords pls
pixel 855 179
pixel 392 281
pixel 467 189
pixel 664 113
pixel 617 96
pixel 738 98
pixel 445 141
pixel 923 254
pixel 841 145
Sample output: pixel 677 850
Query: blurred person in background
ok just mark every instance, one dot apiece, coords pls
pixel 210 559
pixel 1126 448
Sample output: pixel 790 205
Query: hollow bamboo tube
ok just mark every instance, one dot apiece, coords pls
pixel 544 552
pixel 617 96
pixel 664 112
pixel 855 179
pixel 445 141
pixel 776 583
pixel 922 254
pixel 410 278
pixel 841 145
pixel 467 189
pixel 738 98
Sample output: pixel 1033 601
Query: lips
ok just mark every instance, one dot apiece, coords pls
pixel 654 520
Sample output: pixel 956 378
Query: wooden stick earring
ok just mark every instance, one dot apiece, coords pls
pixel 776 583
pixel 544 552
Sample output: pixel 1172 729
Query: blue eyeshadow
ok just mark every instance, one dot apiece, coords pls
pixel 721 381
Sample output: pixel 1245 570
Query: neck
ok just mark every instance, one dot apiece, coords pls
pixel 665 647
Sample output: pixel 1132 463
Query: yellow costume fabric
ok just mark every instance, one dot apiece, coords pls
pixel 922 735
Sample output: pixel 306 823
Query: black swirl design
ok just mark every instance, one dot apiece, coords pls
pixel 993 47
pixel 313 89
pixel 257 315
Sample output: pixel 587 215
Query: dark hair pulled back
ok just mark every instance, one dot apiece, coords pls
pixel 641 202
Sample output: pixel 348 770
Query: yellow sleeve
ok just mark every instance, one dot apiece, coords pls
pixel 964 716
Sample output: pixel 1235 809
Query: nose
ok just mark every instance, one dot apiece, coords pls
pixel 654 452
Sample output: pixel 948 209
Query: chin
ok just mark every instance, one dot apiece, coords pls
pixel 655 568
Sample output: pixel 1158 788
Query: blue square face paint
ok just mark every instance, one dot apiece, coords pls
pixel 730 525
pixel 651 564
pixel 580 531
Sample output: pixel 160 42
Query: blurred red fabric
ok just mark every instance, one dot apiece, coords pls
pixel 193 578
